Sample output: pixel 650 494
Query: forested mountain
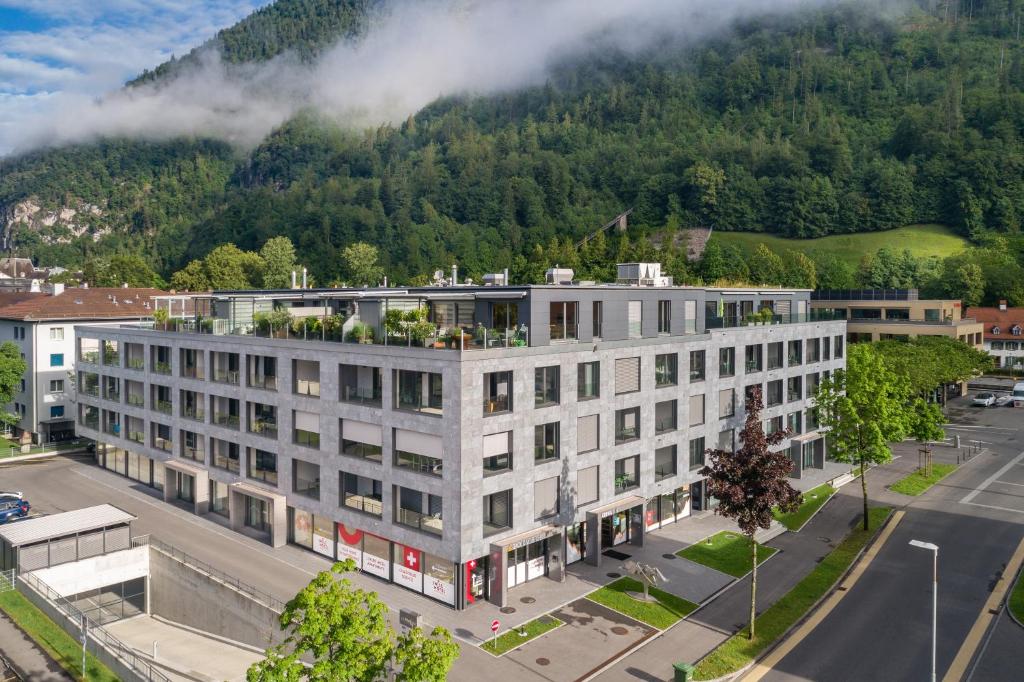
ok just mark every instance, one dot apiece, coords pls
pixel 837 120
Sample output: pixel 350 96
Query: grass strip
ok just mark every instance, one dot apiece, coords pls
pixel 512 639
pixel 1016 601
pixel 814 499
pixel 726 551
pixel 61 646
pixel 738 651
pixel 660 614
pixel 917 482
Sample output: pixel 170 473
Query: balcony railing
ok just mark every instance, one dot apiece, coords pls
pixel 307 387
pixel 265 427
pixel 227 420
pixel 91 422
pixel 193 412
pixel 364 395
pixel 136 400
pixel 91 389
pixel 195 454
pixel 367 505
pixel 625 482
pixel 163 406
pixel 229 376
pixel 112 358
pixel 90 356
pixel 136 363
pixel 264 381
pixel 791 318
pixel 137 436
pixel 164 444
pixel 424 522
pixel 162 367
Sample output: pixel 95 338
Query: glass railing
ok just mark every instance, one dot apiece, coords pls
pixel 136 363
pixel 757 320
pixel 425 522
pixel 367 505
pixel 163 406
pixel 136 436
pixel 136 400
pixel 264 381
pixel 195 413
pixel 307 438
pixel 162 367
pixel 229 376
pixel 416 403
pixel 91 422
pixel 496 404
pixel 306 387
pixel 625 482
pixel 364 395
pixel 228 420
pixel 91 356
pixel 162 444
pixel 264 427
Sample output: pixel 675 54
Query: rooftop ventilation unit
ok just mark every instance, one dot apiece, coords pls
pixel 642 275
pixel 557 275
pixel 495 279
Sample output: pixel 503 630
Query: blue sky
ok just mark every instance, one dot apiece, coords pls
pixel 52 48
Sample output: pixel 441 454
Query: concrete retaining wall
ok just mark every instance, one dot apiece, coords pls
pixel 186 595
pixel 96 572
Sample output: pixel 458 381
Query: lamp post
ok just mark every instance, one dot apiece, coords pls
pixel 934 549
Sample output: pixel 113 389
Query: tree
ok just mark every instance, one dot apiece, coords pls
pixel 345 631
pixel 864 408
pixel 130 269
pixel 12 369
pixel 278 254
pixel 967 283
pixel 926 420
pixel 361 265
pixel 192 277
pixel 766 266
pixel 228 267
pixel 751 482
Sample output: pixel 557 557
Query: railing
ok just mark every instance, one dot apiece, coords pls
pixel 496 404
pixel 195 454
pixel 307 387
pixel 93 390
pixel 195 413
pixel 795 359
pixel 136 436
pixel 164 444
pixel 113 395
pixel 90 356
pixel 265 382
pixel 140 541
pixel 91 423
pixel 753 366
pixel 265 427
pixel 425 522
pixel 791 318
pixel 192 372
pixel 367 505
pixel 136 400
pixel 136 363
pixel 162 367
pixel 94 631
pixel 361 394
pixel 228 420
pixel 229 376
pixel 112 358
pixel 164 406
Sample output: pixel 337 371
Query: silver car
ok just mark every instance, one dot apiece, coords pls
pixel 984 400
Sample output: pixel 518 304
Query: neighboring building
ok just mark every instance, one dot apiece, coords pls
pixel 880 314
pixel 43 326
pixel 1004 334
pixel 544 424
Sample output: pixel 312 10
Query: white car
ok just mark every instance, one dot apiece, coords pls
pixel 984 400
pixel 1004 400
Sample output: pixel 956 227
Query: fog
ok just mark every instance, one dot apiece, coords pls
pixel 415 53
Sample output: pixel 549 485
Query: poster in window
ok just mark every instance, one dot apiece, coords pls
pixel 408 566
pixel 302 528
pixel 376 553
pixel 350 544
pixel 323 535
pixel 439 578
pixel 574 543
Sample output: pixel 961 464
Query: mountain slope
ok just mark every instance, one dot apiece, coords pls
pixel 836 122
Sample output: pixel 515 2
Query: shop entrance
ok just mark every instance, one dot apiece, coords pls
pixel 527 562
pixel 615 529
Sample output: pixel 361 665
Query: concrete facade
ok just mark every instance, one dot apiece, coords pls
pixel 443 527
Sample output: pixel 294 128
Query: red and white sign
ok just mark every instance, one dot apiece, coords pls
pixel 495 624
pixel 408 571
pixel 439 589
pixel 375 565
pixel 350 543
pixel 323 545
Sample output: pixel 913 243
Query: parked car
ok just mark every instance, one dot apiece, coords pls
pixel 984 400
pixel 1004 400
pixel 11 493
pixel 12 508
pixel 1018 394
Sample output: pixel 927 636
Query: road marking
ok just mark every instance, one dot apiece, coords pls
pixel 1021 485
pixel 991 479
pixel 988 612
pixel 987 428
pixel 766 665
pixel 993 506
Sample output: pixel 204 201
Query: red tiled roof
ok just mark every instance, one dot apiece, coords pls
pixel 79 304
pixel 1005 320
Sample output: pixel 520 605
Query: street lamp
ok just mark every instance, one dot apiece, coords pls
pixel 934 549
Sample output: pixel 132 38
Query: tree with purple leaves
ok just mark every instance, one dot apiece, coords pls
pixel 750 482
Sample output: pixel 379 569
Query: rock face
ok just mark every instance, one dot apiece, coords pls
pixel 54 225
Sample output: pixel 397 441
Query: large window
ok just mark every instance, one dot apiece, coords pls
pixel 775 355
pixel 664 462
pixel 424 464
pixel 774 393
pixel 545 386
pixel 306 431
pixel 796 353
pixel 794 389
pixel 361 439
pixel 793 423
pixel 306 378
pixel 588 380
pixel 418 391
pixel 361 493
pixel 545 442
pixel 192 446
pixel 360 384
pixel 598 312
pixel 497 392
pixel 497 453
pixel 813 350
pixel 306 479
pixel 697 453
pixel 627 474
pixel 666 369
pixel 697 371
pixel 497 512
pixel 726 403
pixel 262 466
pixel 726 362
pixel 563 320
pixel 418 510
pixel 635 319
pixel 753 358
pixel 225 455
pixel 665 416
pixel 505 315
pixel 664 317
pixel 838 346
pixel 627 424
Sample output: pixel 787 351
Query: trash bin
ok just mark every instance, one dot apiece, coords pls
pixel 683 672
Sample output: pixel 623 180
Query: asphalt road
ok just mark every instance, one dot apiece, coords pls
pixel 881 630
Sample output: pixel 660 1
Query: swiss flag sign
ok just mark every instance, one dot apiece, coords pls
pixel 412 559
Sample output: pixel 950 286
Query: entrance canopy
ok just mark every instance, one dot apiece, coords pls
pixel 618 505
pixel 257 492
pixel 529 537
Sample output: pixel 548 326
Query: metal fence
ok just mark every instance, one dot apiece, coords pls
pixel 7 580
pixel 96 632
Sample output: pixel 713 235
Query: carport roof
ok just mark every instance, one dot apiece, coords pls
pixel 66 523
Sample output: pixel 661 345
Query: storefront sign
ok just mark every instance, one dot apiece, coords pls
pixel 439 589
pixel 407 567
pixel 323 545
pixel 350 544
pixel 375 552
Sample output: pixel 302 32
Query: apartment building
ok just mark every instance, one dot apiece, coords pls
pixel 42 325
pixel 1003 335
pixel 881 314
pixel 490 437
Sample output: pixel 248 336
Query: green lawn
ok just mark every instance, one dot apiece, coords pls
pixel 667 610
pixel 61 646
pixel 511 639
pixel 1016 601
pixel 916 483
pixel 922 240
pixel 814 499
pixel 726 551
pixel 738 651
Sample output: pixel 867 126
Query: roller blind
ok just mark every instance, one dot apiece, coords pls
pixel 418 443
pixel 545 497
pixel 362 432
pixel 496 444
pixel 587 437
pixel 586 484
pixel 627 375
pixel 782 307
pixel 307 421
pixel 696 410
pixel 726 398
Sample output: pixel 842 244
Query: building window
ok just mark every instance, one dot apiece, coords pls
pixel 505 315
pixel 826 348
pixel 418 391
pixel 56 386
pixel 306 378
pixel 545 497
pixel 588 436
pixel 57 334
pixel 497 453
pixel 423 464
pixel 627 375
pixel 793 423
pixel 811 382
pixel 697 370
pixel 635 319
pixel 262 466
pixel 545 386
pixel 306 429
pixel 697 453
pixel 665 416
pixel 774 425
pixel 774 355
pixel 753 358
pixel 598 319
pixel 587 487
pixel 795 352
pixel 665 462
pixel 360 385
pixel 696 410
pixel 725 439
pixel 838 346
pixel 726 362
pixel 192 446
pixel 56 359
pixel 726 403
pixel 545 442
pixel 794 389
pixel 361 493
pixel 664 317
pixel 627 424
pixel 225 455
pixel 563 320
pixel 56 411
pixel 774 393
pixel 497 512
pixel 418 510
pixel 306 479
pixel 627 474
pixel 588 380
pixel 497 392
pixel 811 418
pixel 666 370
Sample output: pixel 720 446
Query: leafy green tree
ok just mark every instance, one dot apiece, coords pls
pixel 361 266
pixel 192 277
pixel 712 263
pixel 344 630
pixel 130 269
pixel 864 408
pixel 279 261
pixel 751 482
pixel 967 283
pixel 766 266
pixel 228 267
pixel 833 272
pixel 800 271
pixel 12 370
pixel 926 420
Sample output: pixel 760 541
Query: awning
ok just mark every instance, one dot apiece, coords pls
pixel 186 468
pixel 528 537
pixel 618 505
pixel 807 437
pixel 257 492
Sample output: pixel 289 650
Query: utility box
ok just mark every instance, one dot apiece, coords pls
pixel 682 672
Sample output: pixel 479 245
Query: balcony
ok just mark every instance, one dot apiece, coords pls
pixel 163 444
pixel 756 321
pixel 160 367
pixel 163 406
pixel 364 504
pixel 226 376
pixel 193 412
pixel 136 363
pixel 264 427
pixel 266 382
pixel 136 400
pixel 428 523
pixel 229 421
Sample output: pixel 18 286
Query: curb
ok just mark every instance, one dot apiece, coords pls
pixel 40 455
pixel 803 525
pixel 1016 583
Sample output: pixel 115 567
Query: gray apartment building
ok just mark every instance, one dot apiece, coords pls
pixel 456 439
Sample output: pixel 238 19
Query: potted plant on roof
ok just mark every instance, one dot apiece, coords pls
pixel 160 316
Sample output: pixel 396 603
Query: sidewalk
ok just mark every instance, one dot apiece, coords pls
pixel 26 656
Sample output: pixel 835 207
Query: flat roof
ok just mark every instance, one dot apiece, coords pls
pixel 66 523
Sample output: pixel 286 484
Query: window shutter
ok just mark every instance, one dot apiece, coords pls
pixel 545 497
pixel 587 437
pixel 307 421
pixel 361 432
pixel 586 485
pixel 496 444
pixel 696 410
pixel 627 375
pixel 726 399
pixel 418 443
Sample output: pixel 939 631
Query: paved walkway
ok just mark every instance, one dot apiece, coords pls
pixel 26 656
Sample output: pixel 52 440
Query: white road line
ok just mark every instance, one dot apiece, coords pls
pixel 992 506
pixel 991 479
pixel 1021 485
pixel 986 428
